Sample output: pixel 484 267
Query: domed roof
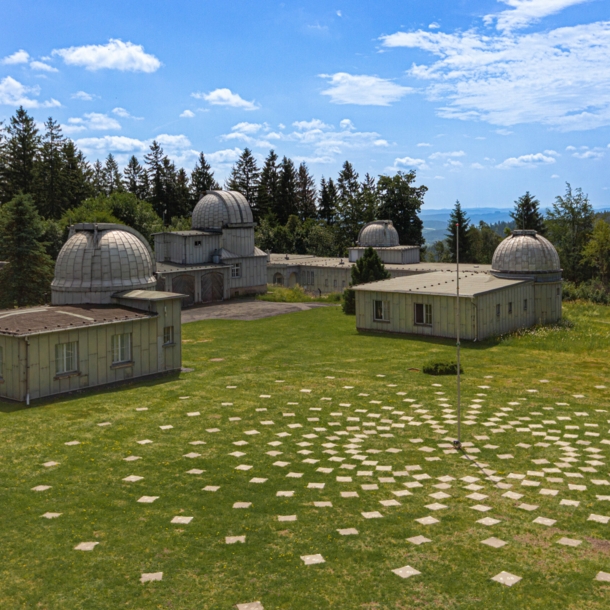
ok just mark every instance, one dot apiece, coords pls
pixel 218 209
pixel 525 253
pixel 378 234
pixel 99 260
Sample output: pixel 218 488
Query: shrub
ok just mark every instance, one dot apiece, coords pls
pixel 441 367
pixel 349 302
pixel 593 291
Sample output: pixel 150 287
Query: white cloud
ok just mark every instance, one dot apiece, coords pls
pixel 504 132
pixel 92 120
pixel 19 57
pixel 447 155
pixel 434 26
pixel 527 161
pixel 424 144
pixel 116 55
pixel 477 166
pixel 107 144
pixel 245 127
pixel 187 114
pixel 83 95
pixel 589 154
pixel 339 14
pixel 363 90
pixel 42 67
pixel 409 162
pixel 13 93
pixel 555 176
pixel 225 97
pixel 525 12
pixel 559 78
pixel 346 124
pixel 229 155
pixel 125 114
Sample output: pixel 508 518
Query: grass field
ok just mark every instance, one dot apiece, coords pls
pixel 558 452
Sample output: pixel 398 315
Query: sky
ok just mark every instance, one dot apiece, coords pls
pixel 485 99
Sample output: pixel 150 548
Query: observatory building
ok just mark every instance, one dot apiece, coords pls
pixel 107 323
pixel 523 288
pixel 217 259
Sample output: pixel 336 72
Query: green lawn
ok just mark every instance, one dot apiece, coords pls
pixel 317 350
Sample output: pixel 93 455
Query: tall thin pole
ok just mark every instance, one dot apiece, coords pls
pixel 458 442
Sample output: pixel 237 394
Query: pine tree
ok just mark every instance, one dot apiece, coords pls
pixel 268 188
pixel 77 176
pixel 98 179
pixel 112 176
pixel 349 204
pixel 182 198
pixel 400 201
pixel 26 280
pixel 50 177
pixel 169 190
pixel 20 153
pixel 306 193
pixel 327 208
pixel 154 168
pixel 527 214
pixel 287 192
pixel 458 225
pixel 368 268
pixel 244 177
pixel 202 180
pixel 136 178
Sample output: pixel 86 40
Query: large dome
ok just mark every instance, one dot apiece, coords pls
pixel 99 260
pixel 378 234
pixel 219 209
pixel 525 253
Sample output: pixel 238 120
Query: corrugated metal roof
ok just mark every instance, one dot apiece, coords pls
pixel 149 295
pixel 471 284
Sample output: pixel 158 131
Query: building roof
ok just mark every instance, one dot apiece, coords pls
pixel 386 248
pixel 175 268
pixel 378 234
pixel 37 320
pixel 219 209
pixel 149 295
pixel 524 252
pixel 191 233
pixel 443 284
pixel 280 260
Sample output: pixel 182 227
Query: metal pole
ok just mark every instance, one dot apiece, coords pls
pixel 458 443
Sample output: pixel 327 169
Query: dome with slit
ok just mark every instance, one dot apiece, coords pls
pixel 526 253
pixel 378 234
pixel 99 260
pixel 219 209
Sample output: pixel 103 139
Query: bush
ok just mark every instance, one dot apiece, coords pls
pixel 281 294
pixel 440 367
pixel 593 291
pixel 349 302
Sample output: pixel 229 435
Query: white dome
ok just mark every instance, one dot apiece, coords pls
pixel 526 253
pixel 219 209
pixel 99 260
pixel 378 234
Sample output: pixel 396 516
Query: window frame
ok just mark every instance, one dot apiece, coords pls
pixel 510 307
pixel 385 311
pixel 235 271
pixel 498 310
pixel 169 330
pixel 66 362
pixel 524 304
pixel 426 314
pixel 118 349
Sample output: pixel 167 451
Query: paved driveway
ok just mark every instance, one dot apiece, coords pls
pixel 244 309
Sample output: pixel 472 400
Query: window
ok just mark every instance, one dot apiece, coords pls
pixel 380 311
pixel 510 308
pixel 524 304
pixel 335 283
pixel 66 360
pixel 121 348
pixel 197 242
pixel 343 283
pixel 168 335
pixel 278 279
pixel 558 291
pixel 236 270
pixel 498 310
pixel 423 314
pixel 326 282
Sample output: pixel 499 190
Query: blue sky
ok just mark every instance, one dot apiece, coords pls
pixel 485 99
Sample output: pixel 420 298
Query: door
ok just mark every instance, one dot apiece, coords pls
pixel 185 284
pixel 292 280
pixel 212 287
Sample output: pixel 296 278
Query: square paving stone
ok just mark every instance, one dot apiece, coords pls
pixel 250 606
pixel 148 499
pixel 195 471
pixel 211 488
pixel 350 531
pixel 323 504
pixel 51 515
pixel 436 506
pixel 132 478
pixel 258 480
pixel 286 517
pixel 151 576
pixel 569 542
pixel 477 496
pixel 50 464
pixel 310 560
pixel 603 576
pixel 234 539
pixel 496 543
pixel 349 494
pixel 481 508
pixel 427 520
pixel 506 578
pixel 41 488
pixel 242 505
pixel 599 518
pixel 182 520
pixel 86 546
pixel 404 492
pixel 372 515
pixel 315 486
pixel 285 494
pixel 406 572
pixel 132 458
pixel 544 521
pixel 390 503
pixel 489 521
pixel 528 507
pixel 192 455
pixel 418 540
pixel 569 503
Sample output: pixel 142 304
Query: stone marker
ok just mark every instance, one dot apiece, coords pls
pixel 310 560
pixel 286 517
pixel 250 606
pixel 496 543
pixel 506 578
pixel 148 499
pixel 150 577
pixel 406 571
pixel 569 542
pixel 182 520
pixel 350 531
pixel 86 546
pixel 234 539
pixel 418 540
pixel 51 515
pixel 603 576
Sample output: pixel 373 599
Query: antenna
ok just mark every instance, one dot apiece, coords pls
pixel 458 443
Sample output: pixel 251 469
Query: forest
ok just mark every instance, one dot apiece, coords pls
pixel 47 184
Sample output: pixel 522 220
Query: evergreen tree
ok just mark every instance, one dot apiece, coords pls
pixel 327 209
pixel 183 205
pixel 569 225
pixel 268 188
pixel 169 191
pixel 369 196
pixel 26 280
pixel 484 241
pixel 244 177
pixel 458 225
pixel 305 193
pixel 287 192
pixel 112 176
pixel 202 180
pixel 50 188
pixel 527 214
pixel 350 209
pixel 400 201
pixel 154 168
pixel 20 153
pixel 136 178
pixel 368 268
pixel 77 176
pixel 98 179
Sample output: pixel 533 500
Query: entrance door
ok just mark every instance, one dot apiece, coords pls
pixel 212 287
pixel 185 284
pixel 292 280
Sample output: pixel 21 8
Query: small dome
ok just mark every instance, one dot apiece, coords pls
pixel 218 209
pixel 525 253
pixel 99 260
pixel 378 234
